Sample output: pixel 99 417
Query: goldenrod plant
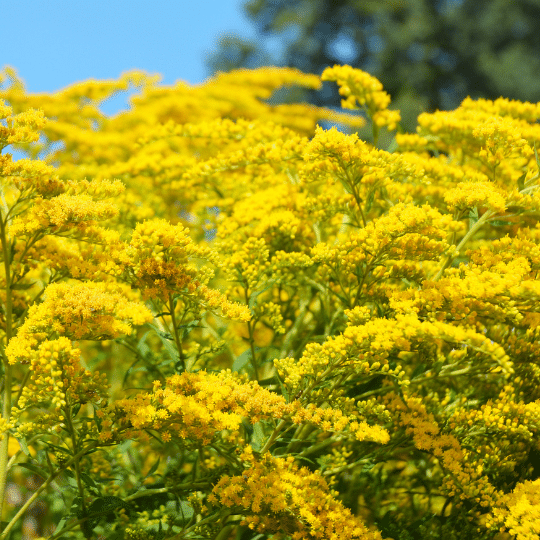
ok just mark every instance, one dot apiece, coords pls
pixel 225 318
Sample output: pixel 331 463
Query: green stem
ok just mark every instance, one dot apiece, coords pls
pixel 251 329
pixel 189 486
pixel 354 191
pixel 272 437
pixel 69 422
pixel 438 376
pixel 197 525
pixel 319 446
pixel 40 490
pixel 6 403
pixel 294 330
pixel 295 436
pixel 224 533
pixel 181 356
pixel 338 470
pixel 375 131
pixel 76 523
pixel 301 435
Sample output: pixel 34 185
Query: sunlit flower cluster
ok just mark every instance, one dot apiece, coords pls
pixel 161 265
pixel 362 90
pixel 79 311
pixel 199 406
pixel 279 497
pixel 57 377
pixel 519 512
pixel 250 293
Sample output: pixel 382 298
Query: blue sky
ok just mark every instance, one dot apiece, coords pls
pixel 53 43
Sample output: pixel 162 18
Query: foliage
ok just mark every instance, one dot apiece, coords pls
pixel 220 320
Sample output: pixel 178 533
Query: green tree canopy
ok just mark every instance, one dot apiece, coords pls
pixel 429 54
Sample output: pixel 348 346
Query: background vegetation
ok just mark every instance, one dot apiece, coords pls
pixel 429 54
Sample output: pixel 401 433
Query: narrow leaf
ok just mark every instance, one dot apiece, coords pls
pixel 24 447
pixel 153 469
pixel 22 286
pixel 257 440
pixel 35 469
pixel 253 299
pixel 242 360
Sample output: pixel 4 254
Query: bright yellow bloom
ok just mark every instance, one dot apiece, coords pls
pixel 78 311
pixel 276 496
pixel 361 89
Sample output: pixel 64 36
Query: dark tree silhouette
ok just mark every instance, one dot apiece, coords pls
pixel 429 54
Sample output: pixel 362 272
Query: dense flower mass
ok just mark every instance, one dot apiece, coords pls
pixel 278 496
pixel 79 311
pixel 199 406
pixel 361 89
pixel 225 316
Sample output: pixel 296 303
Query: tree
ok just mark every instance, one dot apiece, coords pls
pixel 429 54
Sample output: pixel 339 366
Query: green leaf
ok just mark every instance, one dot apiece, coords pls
pixel 76 506
pixel 165 339
pixel 153 469
pixel 521 181
pixel 305 459
pixel 22 286
pixel 128 371
pixel 75 409
pixel 108 504
pixel 420 368
pixel 393 146
pixel 60 525
pixel 186 509
pixel 96 417
pixel 500 223
pixel 270 380
pixel 24 448
pixel 161 314
pixel 88 480
pixel 187 328
pixel 142 347
pixel 272 354
pixel 257 440
pixel 71 479
pixel 241 361
pixel 253 299
pixel 106 479
pixel 473 215
pixel 370 199
pixel 35 469
pixel 101 506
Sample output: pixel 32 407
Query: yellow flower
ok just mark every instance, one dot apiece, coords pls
pixel 78 311
pixel 276 496
pixel 362 90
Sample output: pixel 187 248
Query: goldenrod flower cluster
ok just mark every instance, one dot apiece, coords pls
pixel 519 512
pixel 79 311
pixel 361 89
pixel 278 496
pixel 200 406
pixel 212 308
pixel 57 376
